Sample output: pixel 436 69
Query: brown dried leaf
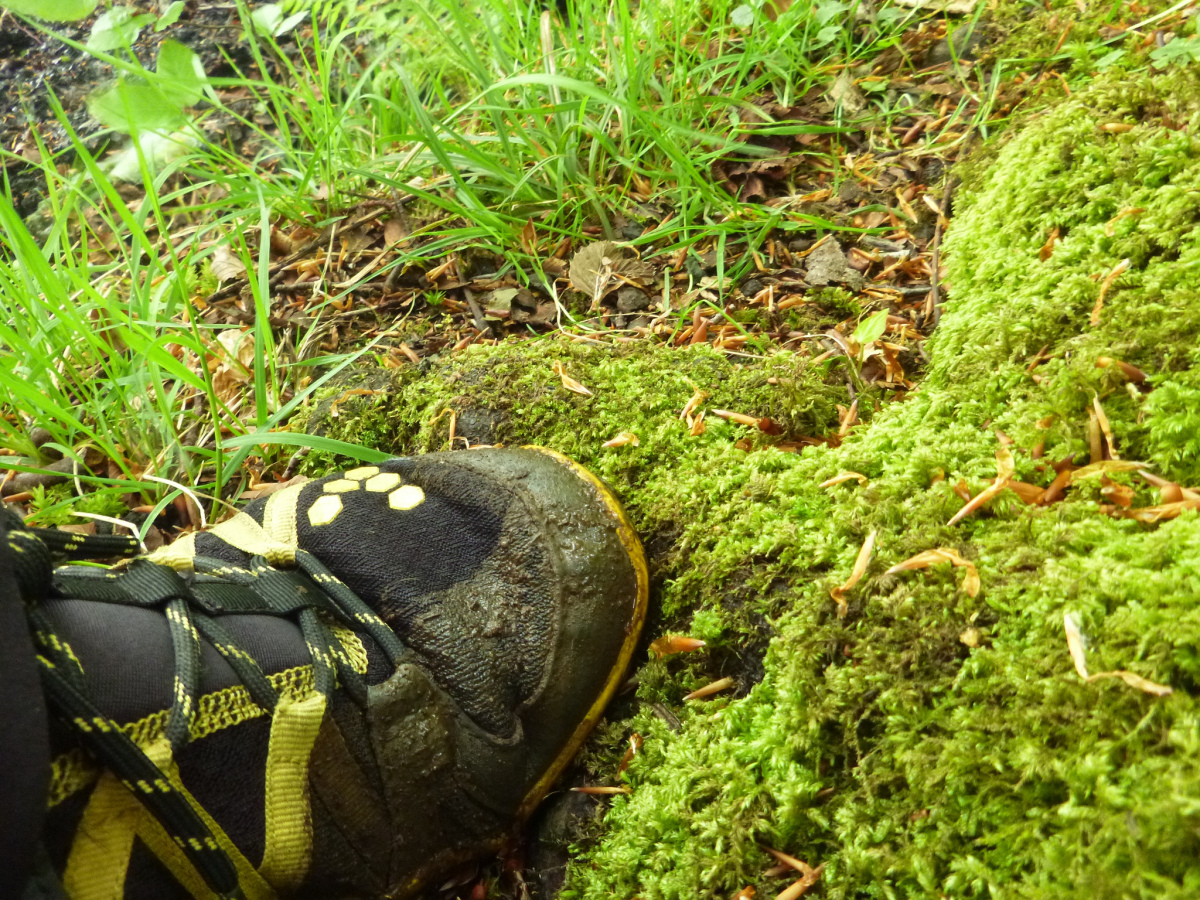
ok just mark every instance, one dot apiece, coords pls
pixel 595 269
pixel 1131 372
pixel 1106 466
pixel 929 558
pixel 603 791
pixel 738 418
pixel 860 569
pixel 625 437
pixel 227 265
pixel 529 241
pixel 1004 472
pixel 1151 514
pixel 715 687
pixel 1105 285
pixel 1102 419
pixel 800 887
pixel 1136 681
pixel 635 747
pixel 394 232
pixel 1029 493
pixel 698 397
pixel 843 477
pixel 1075 644
pixel 670 644
pixel 568 382
pixel 1048 248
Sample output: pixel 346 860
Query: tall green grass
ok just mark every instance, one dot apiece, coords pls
pixel 491 114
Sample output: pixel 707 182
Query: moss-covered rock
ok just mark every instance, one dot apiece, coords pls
pixel 929 743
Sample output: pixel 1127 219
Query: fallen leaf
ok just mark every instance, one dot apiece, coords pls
pixel 738 418
pixel 226 264
pixel 602 791
pixel 1105 466
pixel 800 887
pixel 1004 472
pixel 1120 494
pixel 1131 372
pixel 1102 419
pixel 849 418
pixel 635 747
pixel 790 861
pixel 842 477
pixel 568 382
pixel 929 558
pixel 698 397
pixel 598 268
pixel 1029 493
pixel 1135 681
pixel 845 93
pixel 1169 491
pixel 1151 514
pixel 721 684
pixel 529 241
pixel 1048 248
pixel 670 644
pixel 1107 283
pixel 625 437
pixel 697 425
pixel 860 569
pixel 1075 644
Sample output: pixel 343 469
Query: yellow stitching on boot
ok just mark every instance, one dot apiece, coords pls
pixel 382 483
pixel 178 555
pixel 100 850
pixel 324 509
pixel 406 497
pixel 361 472
pixel 279 515
pixel 286 806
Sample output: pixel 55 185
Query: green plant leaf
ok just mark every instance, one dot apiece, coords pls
pixel 743 16
pixel 51 10
pixel 117 28
pixel 316 442
pixel 1179 51
pixel 131 105
pixel 871 329
pixel 183 74
pixel 170 15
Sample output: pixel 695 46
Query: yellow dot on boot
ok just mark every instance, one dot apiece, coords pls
pixel 406 497
pixel 361 472
pixel 340 486
pixel 382 483
pixel 324 510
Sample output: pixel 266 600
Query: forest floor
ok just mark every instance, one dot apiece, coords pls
pixel 889 347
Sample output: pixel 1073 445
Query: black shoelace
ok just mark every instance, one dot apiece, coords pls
pixel 193 606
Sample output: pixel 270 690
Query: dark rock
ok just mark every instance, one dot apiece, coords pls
pixel 26 481
pixel 849 192
pixel 827 265
pixel 751 287
pixel 631 232
pixel 632 299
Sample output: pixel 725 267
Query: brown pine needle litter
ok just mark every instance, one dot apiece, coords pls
pixel 929 558
pixel 1004 473
pixel 860 569
pixel 715 687
pixel 1078 650
pixel 844 477
pixel 670 644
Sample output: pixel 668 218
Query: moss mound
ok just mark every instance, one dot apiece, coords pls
pixel 881 744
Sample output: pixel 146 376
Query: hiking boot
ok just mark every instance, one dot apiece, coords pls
pixel 345 690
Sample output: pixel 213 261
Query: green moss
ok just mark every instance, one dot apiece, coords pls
pixel 881 744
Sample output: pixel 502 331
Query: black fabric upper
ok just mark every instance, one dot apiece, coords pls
pixel 24 736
